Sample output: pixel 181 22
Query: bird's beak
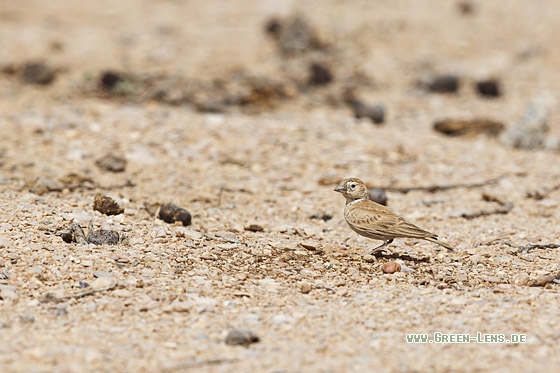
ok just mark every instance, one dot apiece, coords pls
pixel 340 188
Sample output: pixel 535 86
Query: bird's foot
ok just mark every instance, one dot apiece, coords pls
pixel 381 251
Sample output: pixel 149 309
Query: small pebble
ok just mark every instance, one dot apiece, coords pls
pixel 131 212
pixel 489 88
pixel 312 246
pixel 319 75
pixel 273 27
pixel 148 272
pixel 404 268
pixel 241 276
pixel 112 163
pixel 8 292
pixel 324 217
pixel 5 227
pixel 81 216
pixel 109 79
pixel 375 112
pixel 305 288
pixel 45 185
pixel 160 233
pixel 4 242
pixel 444 83
pixel 123 293
pixel 66 235
pixel 99 274
pixel 466 7
pixel 27 318
pixel 254 228
pixel 531 131
pixel 391 267
pixel 493 279
pixel 188 233
pixel 369 258
pixel 185 306
pixel 101 283
pixel 241 337
pixel 280 319
pixel 38 73
pixel 141 154
pixel 228 236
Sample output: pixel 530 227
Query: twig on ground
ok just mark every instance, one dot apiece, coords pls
pixel 527 248
pixel 503 209
pixel 435 188
pixel 200 363
pixel 492 198
pixel 505 240
pixel 543 280
pixel 49 297
pixel 542 193
pixel 523 248
pixel 429 188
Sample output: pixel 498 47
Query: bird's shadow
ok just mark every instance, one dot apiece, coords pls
pixel 392 255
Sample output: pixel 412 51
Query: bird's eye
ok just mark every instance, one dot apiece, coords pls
pixel 352 186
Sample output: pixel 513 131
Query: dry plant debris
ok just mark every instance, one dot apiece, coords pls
pixel 466 127
pixel 106 205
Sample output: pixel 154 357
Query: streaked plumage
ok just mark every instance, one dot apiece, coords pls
pixel 376 221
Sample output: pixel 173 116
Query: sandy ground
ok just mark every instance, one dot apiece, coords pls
pixel 268 249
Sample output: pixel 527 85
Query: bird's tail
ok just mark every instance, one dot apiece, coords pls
pixel 441 243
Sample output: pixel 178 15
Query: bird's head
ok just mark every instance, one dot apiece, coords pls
pixel 352 189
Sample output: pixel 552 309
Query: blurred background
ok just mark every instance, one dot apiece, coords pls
pixel 489 57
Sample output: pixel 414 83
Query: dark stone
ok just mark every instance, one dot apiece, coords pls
pixel 445 83
pixel 273 27
pixel 241 337
pixel 171 213
pixel 319 75
pixel 111 163
pixel 254 228
pixel 66 236
pixel 489 88
pixel 376 113
pixel 324 217
pixel 38 73
pixel 378 195
pixel 466 7
pixel 109 79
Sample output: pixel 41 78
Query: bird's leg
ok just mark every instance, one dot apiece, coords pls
pixel 382 247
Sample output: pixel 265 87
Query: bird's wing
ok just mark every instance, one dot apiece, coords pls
pixel 375 219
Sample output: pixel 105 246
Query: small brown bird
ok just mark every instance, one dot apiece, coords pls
pixel 376 221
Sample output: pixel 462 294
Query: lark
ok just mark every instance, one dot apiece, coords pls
pixel 372 220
